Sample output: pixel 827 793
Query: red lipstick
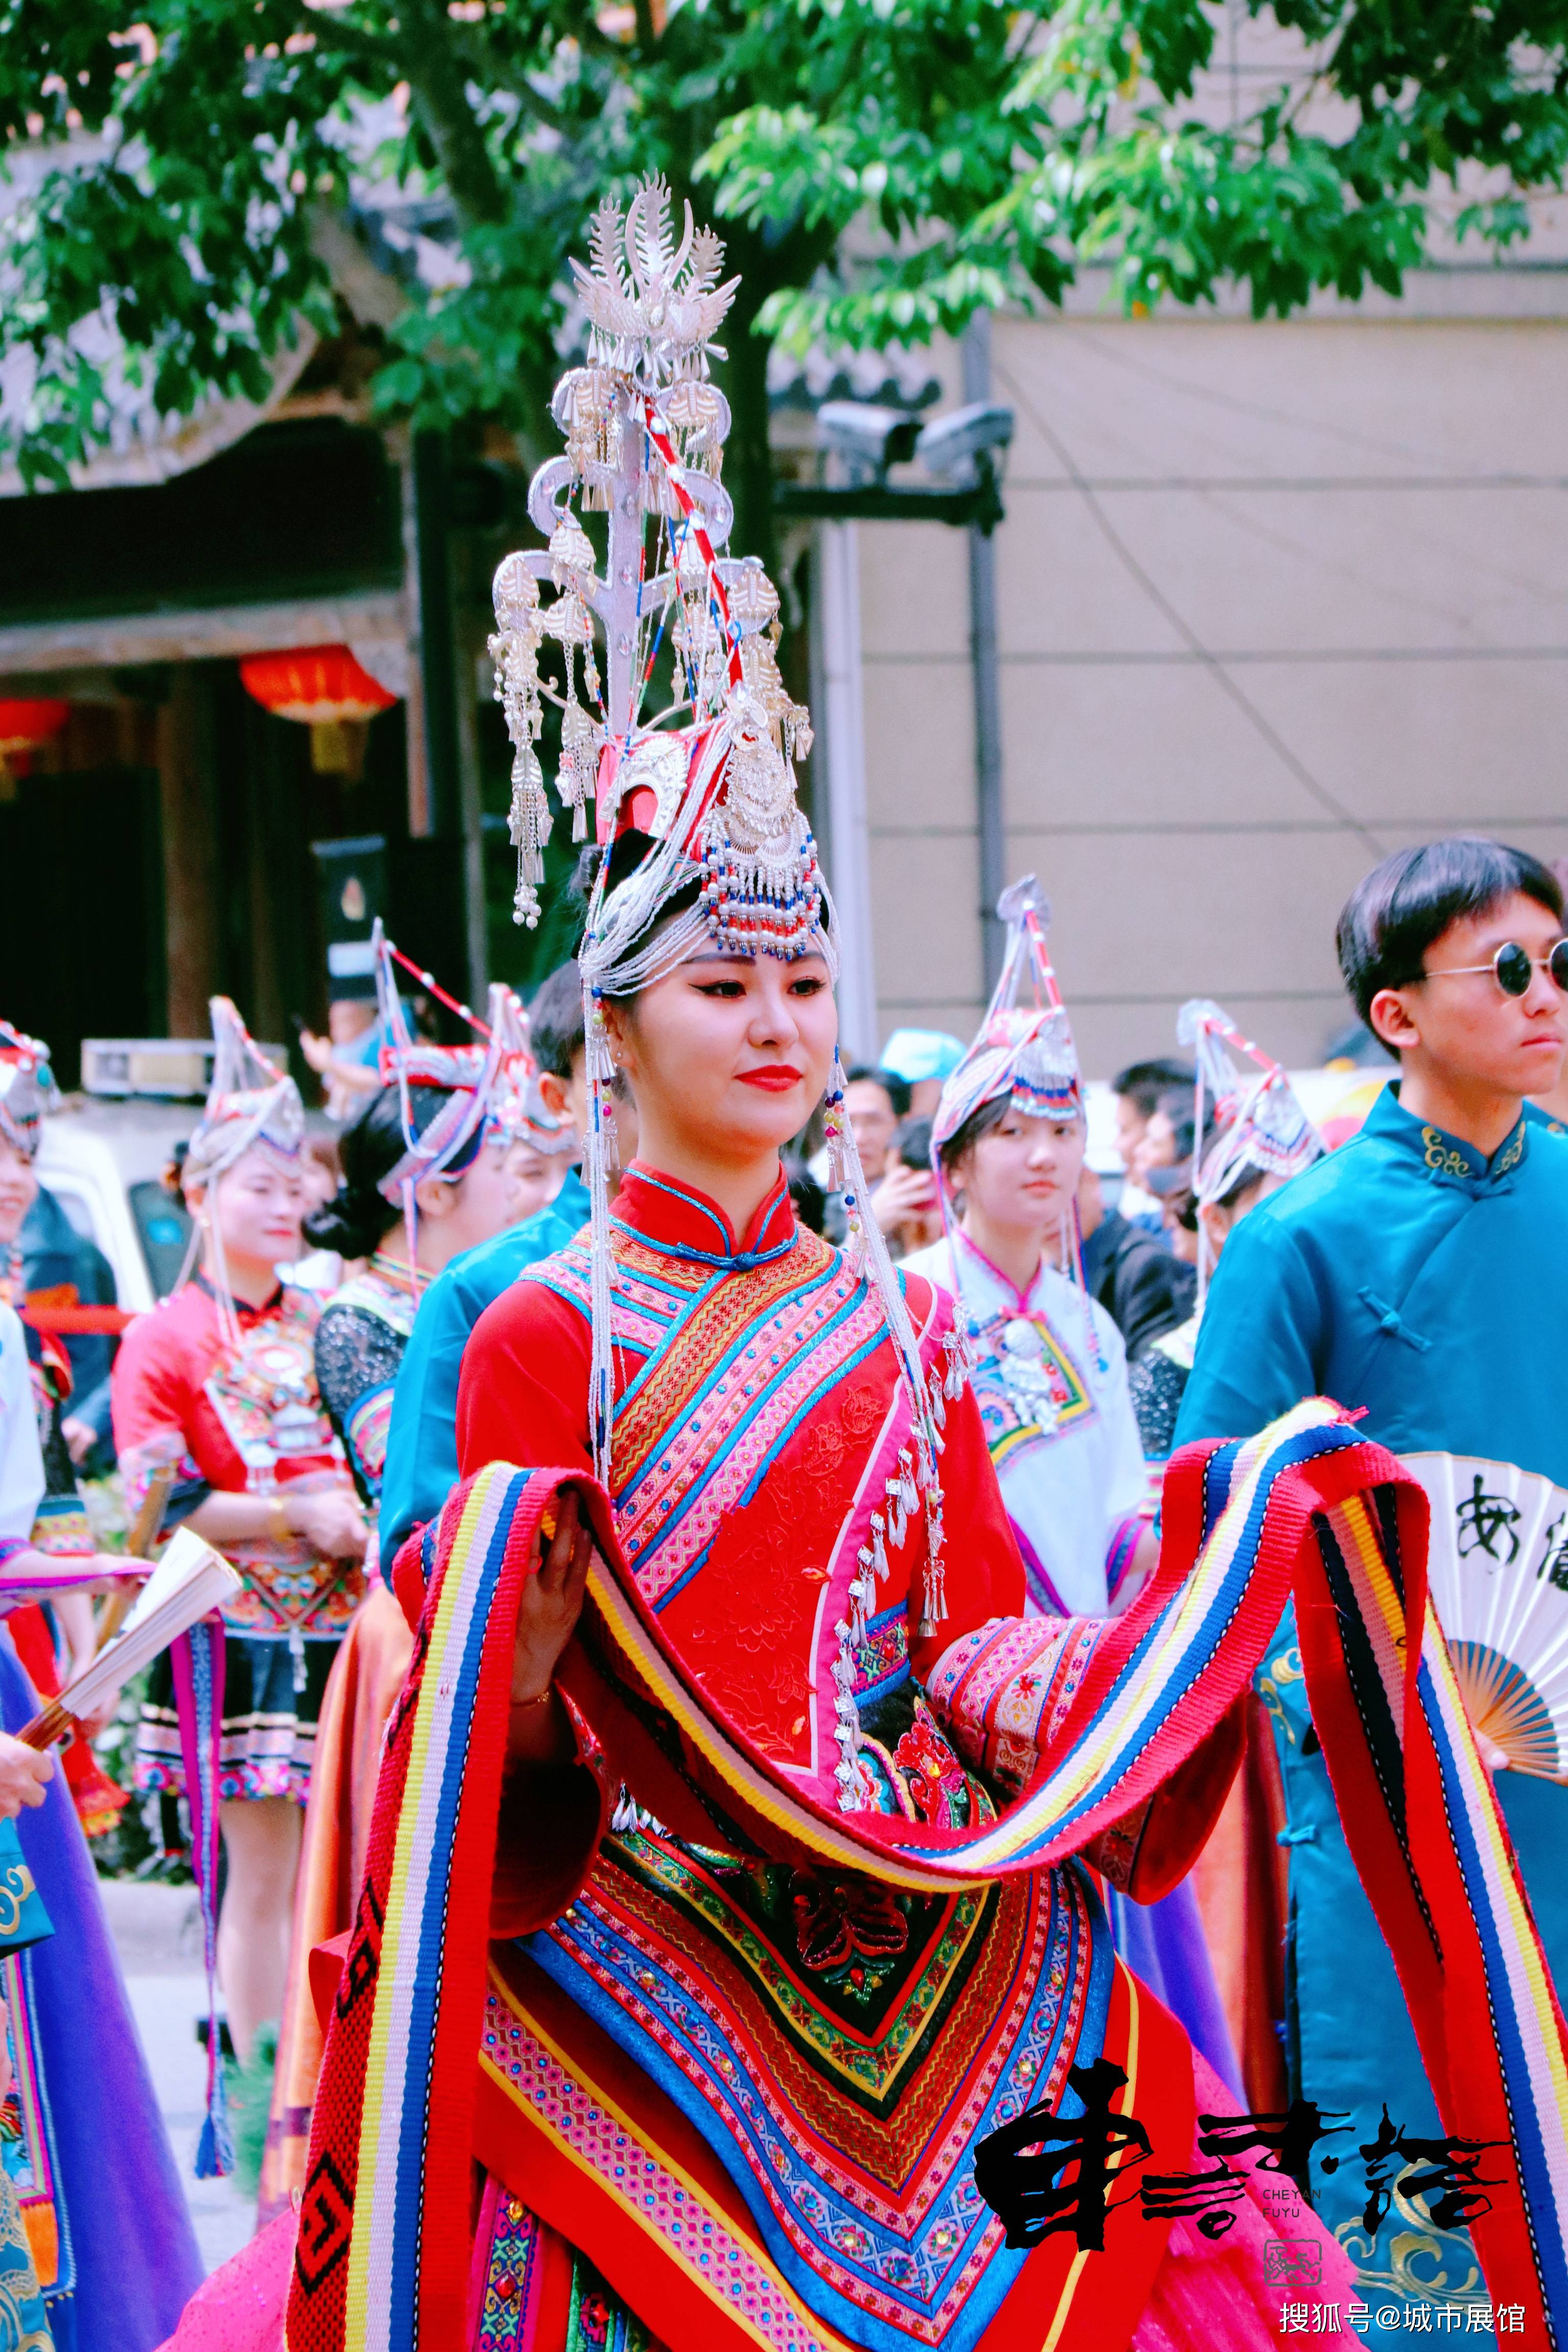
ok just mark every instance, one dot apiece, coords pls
pixel 772 1079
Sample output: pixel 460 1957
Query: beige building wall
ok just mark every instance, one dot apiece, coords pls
pixel 1274 600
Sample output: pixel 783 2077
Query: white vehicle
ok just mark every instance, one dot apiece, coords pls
pixel 104 1152
pixel 104 1163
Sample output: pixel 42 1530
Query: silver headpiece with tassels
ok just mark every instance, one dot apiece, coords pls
pixel 481 1082
pixel 708 781
pixel 250 1102
pixel 1261 1123
pixel 1024 1049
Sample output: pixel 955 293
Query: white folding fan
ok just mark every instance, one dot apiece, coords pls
pixel 1497 1570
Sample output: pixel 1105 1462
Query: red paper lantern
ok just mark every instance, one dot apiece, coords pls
pixel 323 688
pixel 26 728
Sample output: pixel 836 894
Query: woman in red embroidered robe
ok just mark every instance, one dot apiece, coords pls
pixel 858 2039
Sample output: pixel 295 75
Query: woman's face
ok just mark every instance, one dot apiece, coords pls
pixel 456 1213
pixel 728 1055
pixel 536 1178
pixel 320 1179
pixel 1023 1172
pixel 18 1191
pixel 258 1204
pixel 1219 1223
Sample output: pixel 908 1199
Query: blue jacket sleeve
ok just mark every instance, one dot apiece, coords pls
pixel 1260 1343
pixel 422 1440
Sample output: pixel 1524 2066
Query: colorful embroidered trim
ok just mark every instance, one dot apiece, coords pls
pixel 198 1660
pixel 27 2136
pixel 660 2197
pixel 508 2309
pixel 382 2259
pixel 849 2140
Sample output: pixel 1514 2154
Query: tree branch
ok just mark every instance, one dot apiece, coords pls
pixel 330 31
pixel 436 80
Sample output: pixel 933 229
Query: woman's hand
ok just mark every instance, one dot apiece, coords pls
pixel 332 1523
pixel 551 1603
pixel 24 1774
pixel 904 1193
pixel 80 1437
pixel 547 1618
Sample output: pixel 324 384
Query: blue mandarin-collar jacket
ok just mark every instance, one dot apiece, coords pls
pixel 1406 1276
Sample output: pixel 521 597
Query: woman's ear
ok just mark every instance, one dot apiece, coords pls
pixel 618 1030
pixel 436 1196
pixel 553 1095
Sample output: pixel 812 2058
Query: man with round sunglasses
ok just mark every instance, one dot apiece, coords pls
pixel 1420 1274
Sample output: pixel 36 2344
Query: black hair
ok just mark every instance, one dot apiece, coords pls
pixel 622 859
pixel 1142 1083
pixel 1183 1203
pixel 555 1021
pixel 809 1199
pixel 1178 1105
pixel 979 1122
pixel 1405 906
pixel 912 1142
pixel 358 1217
pixel 897 1089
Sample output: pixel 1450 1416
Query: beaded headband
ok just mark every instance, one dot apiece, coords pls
pixel 478 1078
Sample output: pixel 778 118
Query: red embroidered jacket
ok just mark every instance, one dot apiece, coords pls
pixel 762 1441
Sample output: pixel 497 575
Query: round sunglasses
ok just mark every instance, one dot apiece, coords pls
pixel 1513 967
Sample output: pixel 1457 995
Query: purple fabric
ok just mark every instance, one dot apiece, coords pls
pixel 1042 1592
pixel 1164 1944
pixel 124 2219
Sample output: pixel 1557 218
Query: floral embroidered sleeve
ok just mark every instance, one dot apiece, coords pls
pixel 357 1359
pixel 1002 1685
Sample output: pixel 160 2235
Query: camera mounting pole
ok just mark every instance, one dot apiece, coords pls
pixel 979 507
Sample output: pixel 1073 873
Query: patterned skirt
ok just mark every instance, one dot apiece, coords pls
pixel 271 1705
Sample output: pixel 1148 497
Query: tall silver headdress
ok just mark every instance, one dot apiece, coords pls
pixel 708 782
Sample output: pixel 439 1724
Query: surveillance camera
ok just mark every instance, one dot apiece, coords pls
pixel 951 443
pixel 870 437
